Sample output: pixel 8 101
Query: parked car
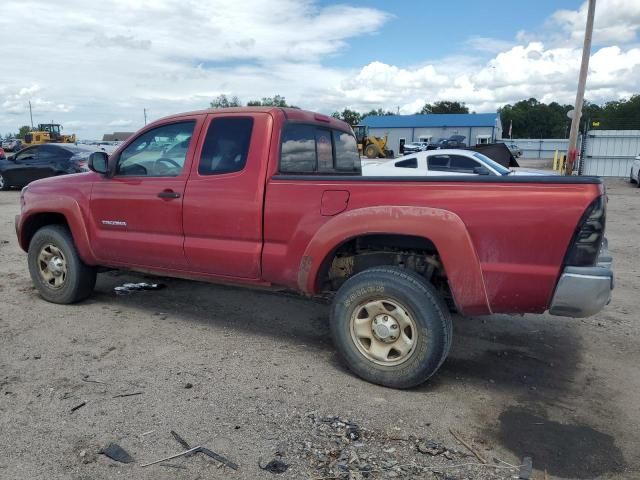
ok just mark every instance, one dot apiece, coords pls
pixel 442 163
pixel 454 141
pixel 413 147
pixel 514 149
pixel 274 197
pixel 40 161
pixel 634 176
pixel 12 145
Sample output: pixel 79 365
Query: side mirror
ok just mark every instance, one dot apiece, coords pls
pixel 99 162
pixel 481 171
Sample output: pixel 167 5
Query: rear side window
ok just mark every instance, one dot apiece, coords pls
pixel 226 145
pixel 314 149
pixel 408 163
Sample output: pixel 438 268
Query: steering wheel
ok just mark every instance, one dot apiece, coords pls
pixel 167 161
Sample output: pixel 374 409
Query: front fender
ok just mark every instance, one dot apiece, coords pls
pixel 38 206
pixel 443 228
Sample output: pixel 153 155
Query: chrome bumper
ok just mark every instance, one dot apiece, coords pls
pixel 584 291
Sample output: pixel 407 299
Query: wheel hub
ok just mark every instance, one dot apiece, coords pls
pixel 56 266
pixel 384 331
pixel 385 328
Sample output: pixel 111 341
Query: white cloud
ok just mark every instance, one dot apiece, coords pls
pixel 121 122
pixel 614 21
pixel 98 66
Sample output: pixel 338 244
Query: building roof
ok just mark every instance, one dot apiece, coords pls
pixel 116 136
pixel 432 120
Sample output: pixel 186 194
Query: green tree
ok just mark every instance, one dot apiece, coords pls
pixel 444 106
pixel 377 113
pixel 222 101
pixel 23 131
pixel 534 119
pixel 275 101
pixel 350 116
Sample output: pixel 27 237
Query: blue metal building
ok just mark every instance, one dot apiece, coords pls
pixel 476 127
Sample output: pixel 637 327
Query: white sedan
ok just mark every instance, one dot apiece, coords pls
pixel 634 176
pixel 441 163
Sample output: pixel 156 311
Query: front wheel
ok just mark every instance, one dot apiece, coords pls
pixel 55 267
pixel 391 327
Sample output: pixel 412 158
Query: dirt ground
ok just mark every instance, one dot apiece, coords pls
pixel 253 376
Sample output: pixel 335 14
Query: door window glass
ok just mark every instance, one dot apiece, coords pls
pixel 26 155
pixel 438 163
pixel 226 145
pixel 462 164
pixel 160 152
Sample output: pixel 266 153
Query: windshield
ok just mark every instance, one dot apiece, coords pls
pixel 493 164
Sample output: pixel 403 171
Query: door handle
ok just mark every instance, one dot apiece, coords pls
pixel 168 194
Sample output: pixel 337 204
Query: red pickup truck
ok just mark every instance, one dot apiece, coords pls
pixel 274 197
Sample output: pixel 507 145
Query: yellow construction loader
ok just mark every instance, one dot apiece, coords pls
pixel 369 145
pixel 48 133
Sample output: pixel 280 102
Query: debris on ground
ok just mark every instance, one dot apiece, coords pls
pixel 341 449
pixel 275 466
pixel 459 438
pixel 430 447
pixel 117 453
pixel 80 405
pixel 129 288
pixel 210 453
pixel 122 395
pixel 526 468
pixel 171 457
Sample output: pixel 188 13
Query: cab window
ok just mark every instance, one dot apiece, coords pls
pixel 160 152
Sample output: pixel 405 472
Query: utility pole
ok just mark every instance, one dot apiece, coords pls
pixel 145 116
pixel 31 114
pixel 572 152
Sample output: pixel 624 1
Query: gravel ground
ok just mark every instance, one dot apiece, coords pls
pixel 253 376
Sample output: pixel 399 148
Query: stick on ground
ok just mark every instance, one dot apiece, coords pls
pixel 467 446
pixel 172 456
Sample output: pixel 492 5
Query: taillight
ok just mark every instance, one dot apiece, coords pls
pixel 587 240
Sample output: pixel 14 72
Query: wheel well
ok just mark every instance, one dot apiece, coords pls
pixel 39 220
pixel 407 251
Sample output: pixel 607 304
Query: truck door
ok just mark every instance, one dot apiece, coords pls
pixel 224 196
pixel 137 213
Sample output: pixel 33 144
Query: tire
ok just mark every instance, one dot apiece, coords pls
pixel 371 151
pixel 357 304
pixel 631 180
pixel 55 267
pixel 4 182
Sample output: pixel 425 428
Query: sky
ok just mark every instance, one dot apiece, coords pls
pixel 94 67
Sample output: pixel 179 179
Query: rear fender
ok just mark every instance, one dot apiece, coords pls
pixel 443 228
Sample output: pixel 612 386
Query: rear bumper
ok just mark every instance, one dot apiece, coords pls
pixel 584 291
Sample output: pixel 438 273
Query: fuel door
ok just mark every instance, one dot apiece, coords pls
pixel 334 202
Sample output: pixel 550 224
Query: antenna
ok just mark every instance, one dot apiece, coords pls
pixel 145 116
pixel 31 114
